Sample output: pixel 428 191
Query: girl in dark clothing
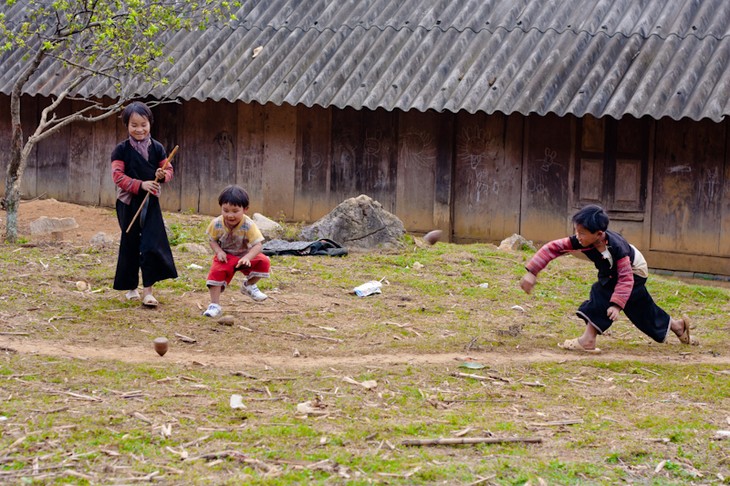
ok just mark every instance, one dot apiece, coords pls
pixel 622 275
pixel 137 168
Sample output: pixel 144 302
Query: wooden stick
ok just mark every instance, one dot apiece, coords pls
pixel 470 440
pixel 144 201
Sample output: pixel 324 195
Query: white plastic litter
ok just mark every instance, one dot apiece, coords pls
pixel 237 401
pixel 368 288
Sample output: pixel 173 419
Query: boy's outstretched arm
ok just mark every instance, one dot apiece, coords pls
pixel 540 260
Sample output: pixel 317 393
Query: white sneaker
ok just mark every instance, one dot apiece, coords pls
pixel 132 294
pixel 254 292
pixel 213 310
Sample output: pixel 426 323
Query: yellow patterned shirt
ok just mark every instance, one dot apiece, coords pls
pixel 236 241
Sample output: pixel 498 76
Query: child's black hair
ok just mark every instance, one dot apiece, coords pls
pixel 592 217
pixel 139 108
pixel 234 195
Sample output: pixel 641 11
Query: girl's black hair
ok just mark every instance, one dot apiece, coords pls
pixel 234 195
pixel 592 217
pixel 139 108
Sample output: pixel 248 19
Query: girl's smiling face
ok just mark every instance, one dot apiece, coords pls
pixel 138 127
pixel 232 215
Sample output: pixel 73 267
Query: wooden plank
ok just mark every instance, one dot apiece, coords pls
pixel 346 154
pixel 192 163
pixel 107 134
pixel 376 175
pixel 724 246
pixel 444 176
pixel 165 130
pixel 688 187
pixel 489 185
pixel 545 182
pixel 590 182
pixel 220 162
pixel 280 136
pixel 250 152
pixel 53 159
pixel 418 141
pixel 627 190
pixel 84 173
pixel 311 200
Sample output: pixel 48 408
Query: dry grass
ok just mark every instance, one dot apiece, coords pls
pixel 85 399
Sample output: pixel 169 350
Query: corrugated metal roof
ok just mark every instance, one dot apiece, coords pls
pixel 600 57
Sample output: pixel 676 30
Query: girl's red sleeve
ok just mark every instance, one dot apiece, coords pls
pixel 122 180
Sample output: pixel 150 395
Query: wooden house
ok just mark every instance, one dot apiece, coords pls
pixel 482 119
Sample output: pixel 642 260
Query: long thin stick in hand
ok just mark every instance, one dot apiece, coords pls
pixel 144 201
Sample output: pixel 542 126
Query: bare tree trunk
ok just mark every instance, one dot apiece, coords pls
pixel 18 156
pixel 14 172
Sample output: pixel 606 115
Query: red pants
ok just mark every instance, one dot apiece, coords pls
pixel 221 274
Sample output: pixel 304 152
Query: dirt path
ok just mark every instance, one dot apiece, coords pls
pixel 180 356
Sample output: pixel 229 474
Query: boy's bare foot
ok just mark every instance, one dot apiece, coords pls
pixel 682 331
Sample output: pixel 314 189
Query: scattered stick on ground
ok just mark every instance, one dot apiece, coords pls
pixel 471 440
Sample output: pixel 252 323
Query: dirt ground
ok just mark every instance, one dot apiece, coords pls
pixel 215 351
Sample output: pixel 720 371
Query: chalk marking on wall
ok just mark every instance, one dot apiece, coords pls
pixel 549 161
pixel 315 162
pixel 474 151
pixel 708 191
pixel 679 169
pixel 417 150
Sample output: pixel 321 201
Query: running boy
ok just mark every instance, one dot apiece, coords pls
pixel 622 275
pixel 237 243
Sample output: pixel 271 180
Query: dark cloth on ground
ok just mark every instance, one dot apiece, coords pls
pixel 323 247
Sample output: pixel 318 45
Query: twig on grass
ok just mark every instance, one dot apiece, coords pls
pixel 470 440
pixel 3 333
pixel 184 338
pixel 308 336
pixel 142 418
pixel 482 480
pixel 480 377
pixel 55 410
pixel 58 318
pixel 239 456
pixel 404 475
pixel 76 395
pixel 556 423
pixel 12 446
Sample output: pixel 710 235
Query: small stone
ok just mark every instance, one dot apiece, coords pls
pixel 226 320
pixel 82 286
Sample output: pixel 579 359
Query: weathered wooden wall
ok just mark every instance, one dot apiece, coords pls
pixel 478 177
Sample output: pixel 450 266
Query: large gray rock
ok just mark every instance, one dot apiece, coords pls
pixel 358 222
pixel 268 227
pixel 52 226
pixel 516 243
